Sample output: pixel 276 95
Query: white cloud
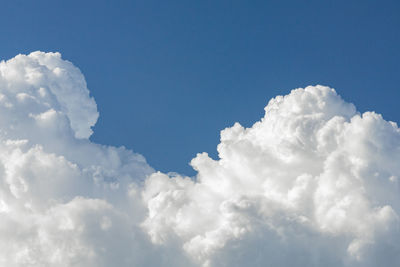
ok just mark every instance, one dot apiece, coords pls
pixel 313 183
pixel 310 184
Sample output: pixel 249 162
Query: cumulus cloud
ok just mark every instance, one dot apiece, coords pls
pixel 313 183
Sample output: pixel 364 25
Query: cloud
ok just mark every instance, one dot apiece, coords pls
pixel 313 183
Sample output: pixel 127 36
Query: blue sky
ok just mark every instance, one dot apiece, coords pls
pixel 169 75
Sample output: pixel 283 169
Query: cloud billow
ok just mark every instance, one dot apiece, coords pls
pixel 313 183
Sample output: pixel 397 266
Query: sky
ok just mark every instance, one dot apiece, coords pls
pixel 285 112
pixel 168 76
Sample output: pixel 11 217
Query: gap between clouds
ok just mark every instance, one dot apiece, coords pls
pixel 313 183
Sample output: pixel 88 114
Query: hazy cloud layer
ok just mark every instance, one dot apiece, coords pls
pixel 313 183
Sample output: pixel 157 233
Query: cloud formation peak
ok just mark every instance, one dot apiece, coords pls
pixel 313 183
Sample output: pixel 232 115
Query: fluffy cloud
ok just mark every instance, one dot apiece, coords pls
pixel 313 183
pixel 64 201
